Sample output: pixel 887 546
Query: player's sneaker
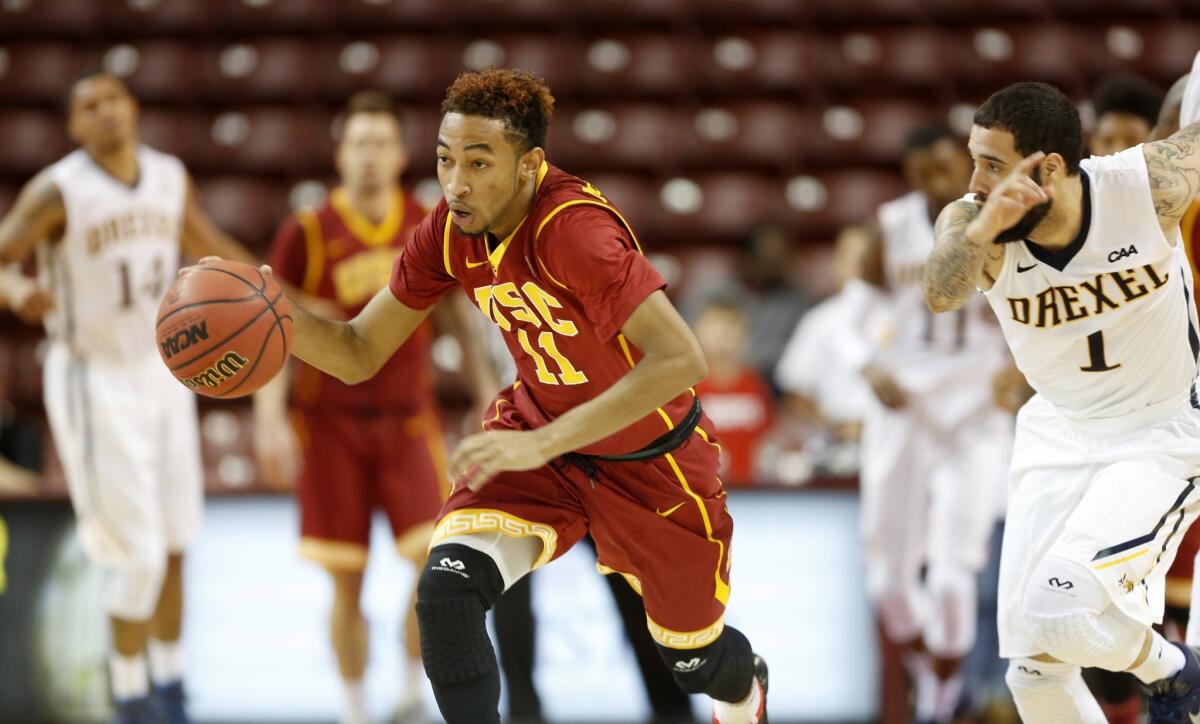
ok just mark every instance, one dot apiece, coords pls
pixel 760 680
pixel 136 711
pixel 170 699
pixel 1176 700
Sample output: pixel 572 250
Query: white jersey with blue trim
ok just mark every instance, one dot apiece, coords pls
pixel 119 252
pixel 1105 328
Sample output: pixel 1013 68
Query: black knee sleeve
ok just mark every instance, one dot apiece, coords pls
pixel 724 669
pixel 457 587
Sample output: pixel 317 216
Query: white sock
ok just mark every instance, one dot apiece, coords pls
pixel 128 675
pixel 354 702
pixel 166 661
pixel 948 693
pixel 739 712
pixel 1163 661
pixel 925 683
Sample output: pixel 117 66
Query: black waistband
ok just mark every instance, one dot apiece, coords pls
pixel 664 444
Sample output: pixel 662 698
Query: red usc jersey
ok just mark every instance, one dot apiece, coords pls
pixel 560 287
pixel 335 253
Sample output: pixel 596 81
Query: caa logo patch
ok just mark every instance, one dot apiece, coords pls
pixel 1120 254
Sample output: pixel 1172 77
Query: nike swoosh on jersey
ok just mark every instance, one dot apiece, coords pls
pixel 668 511
pixel 1021 269
pixel 474 264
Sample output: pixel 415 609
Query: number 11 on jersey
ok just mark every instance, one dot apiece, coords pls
pixel 1096 360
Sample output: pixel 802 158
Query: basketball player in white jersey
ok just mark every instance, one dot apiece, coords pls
pixel 1083 265
pixel 935 444
pixel 108 223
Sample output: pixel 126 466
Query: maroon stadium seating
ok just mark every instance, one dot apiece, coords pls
pixel 645 64
pixel 774 61
pixel 275 17
pixel 266 139
pixel 260 70
pixel 129 17
pixel 156 70
pixel 249 209
pixel 32 139
pixel 407 66
pixel 54 18
pixel 631 136
pixel 864 61
pixel 39 72
pixel 738 134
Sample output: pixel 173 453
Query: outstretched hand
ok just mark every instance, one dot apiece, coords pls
pixel 1014 196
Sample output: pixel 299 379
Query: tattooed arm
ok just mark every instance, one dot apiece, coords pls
pixel 1174 167
pixel 955 268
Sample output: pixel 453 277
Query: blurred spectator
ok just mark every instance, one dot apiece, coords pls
pixel 734 394
pixel 765 291
pixel 1127 108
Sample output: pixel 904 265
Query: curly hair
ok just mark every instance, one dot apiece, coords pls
pixel 1039 117
pixel 519 98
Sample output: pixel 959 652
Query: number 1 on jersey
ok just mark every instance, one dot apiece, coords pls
pixel 1097 362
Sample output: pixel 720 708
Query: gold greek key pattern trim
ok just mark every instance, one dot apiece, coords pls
pixel 631 579
pixel 480 520
pixel 685 639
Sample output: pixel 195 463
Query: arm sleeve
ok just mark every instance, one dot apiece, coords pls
pixel 588 251
pixel 419 277
pixel 288 255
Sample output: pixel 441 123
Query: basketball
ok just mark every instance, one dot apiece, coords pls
pixel 224 329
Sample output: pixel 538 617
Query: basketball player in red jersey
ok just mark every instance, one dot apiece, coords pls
pixel 600 432
pixel 378 444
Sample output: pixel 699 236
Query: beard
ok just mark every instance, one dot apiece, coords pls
pixel 1023 228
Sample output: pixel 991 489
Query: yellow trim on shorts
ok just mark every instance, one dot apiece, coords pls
pixel 633 581
pixel 721 592
pixel 1129 557
pixel 489 520
pixel 685 639
pixel 334 554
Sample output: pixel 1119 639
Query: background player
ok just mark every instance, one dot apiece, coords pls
pixel 109 222
pixel 936 445
pixel 1127 108
pixel 600 431
pixel 374 445
pixel 1082 264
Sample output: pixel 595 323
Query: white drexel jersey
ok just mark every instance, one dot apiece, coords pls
pixel 926 351
pixel 1104 329
pixel 118 254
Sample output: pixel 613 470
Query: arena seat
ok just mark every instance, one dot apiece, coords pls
pixel 420 123
pixel 863 61
pixel 266 139
pixel 1161 51
pixel 159 17
pixel 861 12
pixel 718 206
pixel 820 204
pixel 261 69
pixel 751 133
pixel 1089 10
pixel 179 133
pixel 249 209
pixel 156 70
pixel 374 16
pixel 993 11
pixel 53 18
pixel 407 66
pixel 39 72
pixel 276 16
pixel 871 131
pixel 991 57
pixel 635 197
pixel 492 14
pixel 614 13
pixel 755 61
pixel 755 11
pixel 624 137
pixel 545 55
pixel 32 139
pixel 639 65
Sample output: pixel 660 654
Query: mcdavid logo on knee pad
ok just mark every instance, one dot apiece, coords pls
pixel 1060 583
pixel 687 667
pixel 1031 672
pixel 450 565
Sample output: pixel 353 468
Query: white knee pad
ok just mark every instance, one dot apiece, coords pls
pixel 1051 693
pixel 950 626
pixel 133 590
pixel 1070 616
pixel 513 556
